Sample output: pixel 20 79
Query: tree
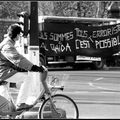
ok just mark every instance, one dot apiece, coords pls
pixel 45 8
pixel 9 9
pixel 74 8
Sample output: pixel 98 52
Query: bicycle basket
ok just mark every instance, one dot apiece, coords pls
pixel 57 79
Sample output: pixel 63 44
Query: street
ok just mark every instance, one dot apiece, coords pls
pixel 75 38
pixel 97 93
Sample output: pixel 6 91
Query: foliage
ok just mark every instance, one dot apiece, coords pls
pixel 75 8
pixel 45 8
pixel 9 9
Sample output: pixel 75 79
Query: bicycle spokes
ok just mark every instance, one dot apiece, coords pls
pixel 60 107
pixel 56 112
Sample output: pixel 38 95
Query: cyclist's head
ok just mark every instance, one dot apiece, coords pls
pixel 14 30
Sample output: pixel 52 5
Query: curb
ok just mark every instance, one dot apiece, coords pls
pixel 105 68
pixel 113 68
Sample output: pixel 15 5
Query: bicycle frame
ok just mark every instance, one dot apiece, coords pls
pixel 47 91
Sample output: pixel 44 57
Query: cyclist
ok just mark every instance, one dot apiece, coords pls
pixel 12 62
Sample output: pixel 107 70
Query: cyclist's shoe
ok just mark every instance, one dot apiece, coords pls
pixel 23 106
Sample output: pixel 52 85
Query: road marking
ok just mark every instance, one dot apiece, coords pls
pixel 92 84
pixel 97 87
pixel 98 79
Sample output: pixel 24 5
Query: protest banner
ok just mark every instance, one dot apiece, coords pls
pixel 80 39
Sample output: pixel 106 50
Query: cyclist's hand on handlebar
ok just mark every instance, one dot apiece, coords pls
pixel 36 68
pixel 45 69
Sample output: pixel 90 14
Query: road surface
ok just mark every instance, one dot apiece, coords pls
pixel 97 93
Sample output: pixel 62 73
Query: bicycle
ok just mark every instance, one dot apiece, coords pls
pixel 54 105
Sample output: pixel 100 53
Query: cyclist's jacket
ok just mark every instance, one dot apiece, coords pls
pixel 10 57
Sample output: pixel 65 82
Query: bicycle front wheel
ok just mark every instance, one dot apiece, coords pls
pixel 63 104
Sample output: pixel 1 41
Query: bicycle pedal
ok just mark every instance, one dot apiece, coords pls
pixel 24 109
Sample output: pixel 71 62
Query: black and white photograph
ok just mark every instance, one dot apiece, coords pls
pixel 59 60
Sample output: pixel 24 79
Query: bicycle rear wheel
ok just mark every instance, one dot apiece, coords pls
pixel 64 105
